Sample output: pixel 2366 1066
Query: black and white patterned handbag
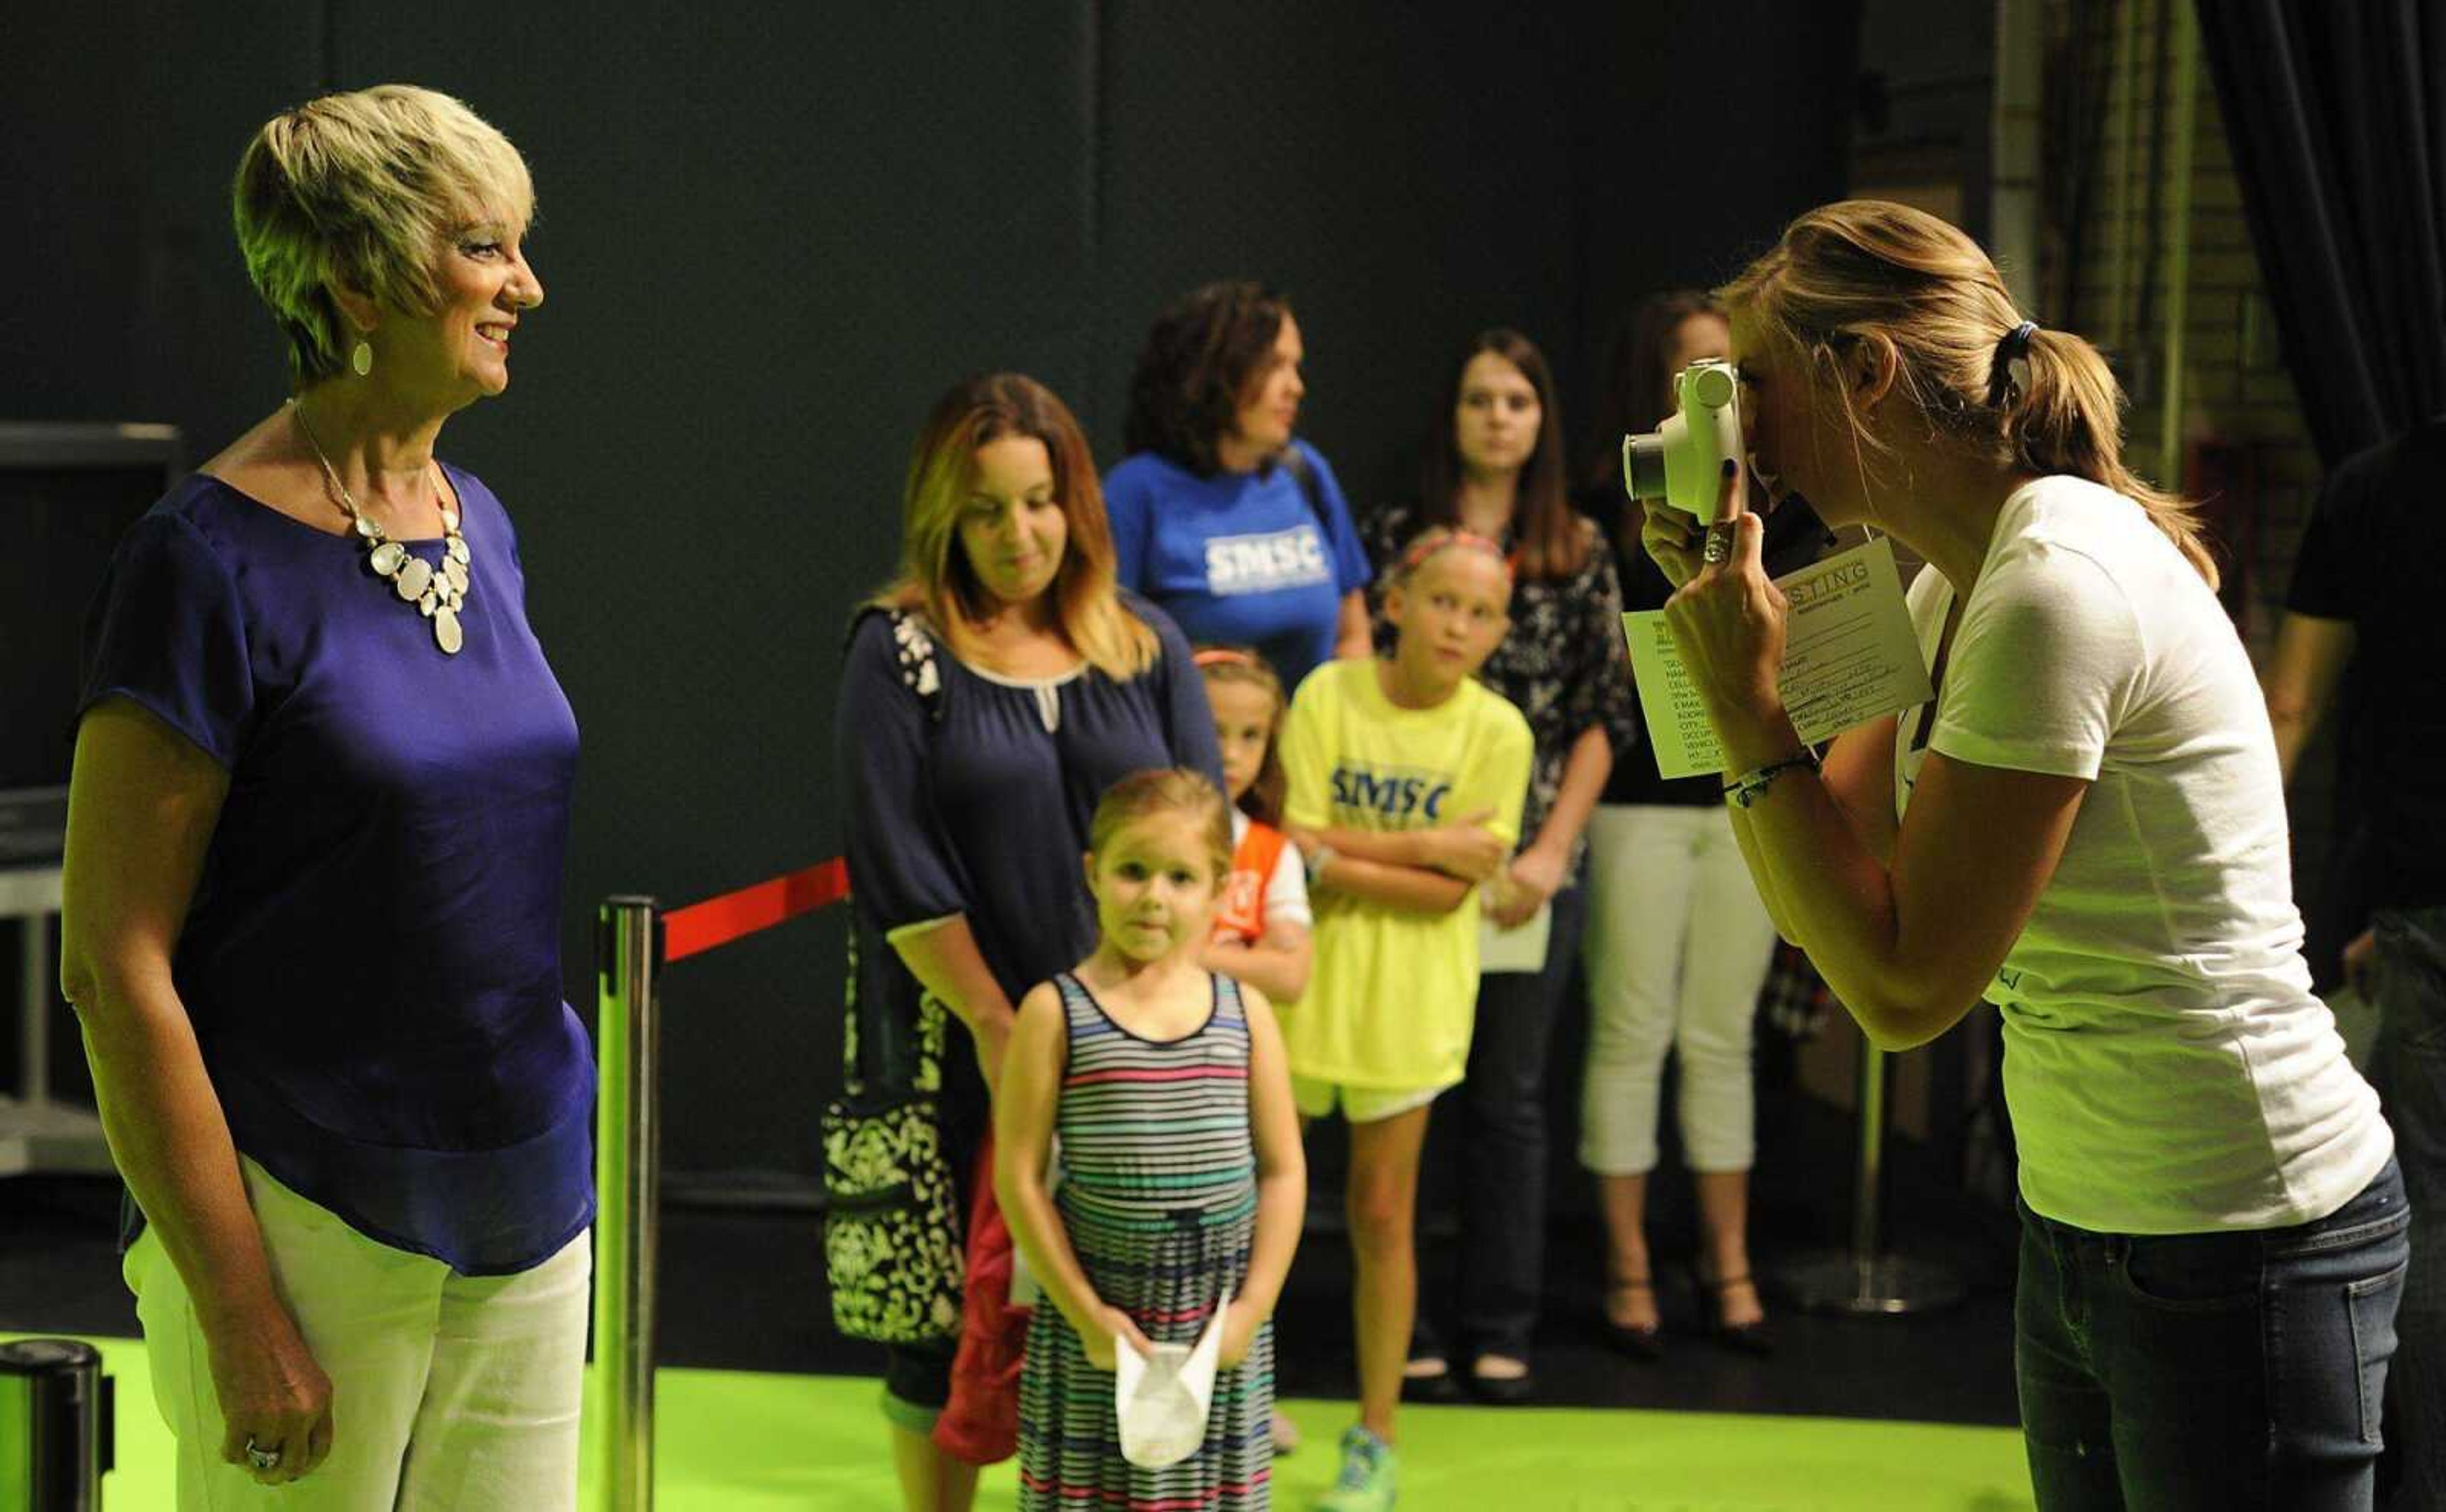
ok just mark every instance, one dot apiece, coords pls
pixel 892 1220
pixel 892 1225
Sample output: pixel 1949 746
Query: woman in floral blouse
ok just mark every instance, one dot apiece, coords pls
pixel 1494 467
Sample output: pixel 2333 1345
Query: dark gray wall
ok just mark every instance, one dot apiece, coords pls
pixel 771 234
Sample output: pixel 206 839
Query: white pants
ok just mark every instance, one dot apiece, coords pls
pixel 1677 949
pixel 449 1393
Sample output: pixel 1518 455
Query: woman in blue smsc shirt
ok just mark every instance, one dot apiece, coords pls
pixel 1234 528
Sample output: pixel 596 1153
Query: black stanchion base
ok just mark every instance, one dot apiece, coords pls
pixel 1864 1285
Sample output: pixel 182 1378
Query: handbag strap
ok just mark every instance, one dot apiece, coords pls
pixel 875 1037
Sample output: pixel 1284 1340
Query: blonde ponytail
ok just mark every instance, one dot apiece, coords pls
pixel 1899 278
pixel 2069 419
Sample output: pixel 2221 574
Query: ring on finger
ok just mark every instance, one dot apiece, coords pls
pixel 1720 542
pixel 262 1459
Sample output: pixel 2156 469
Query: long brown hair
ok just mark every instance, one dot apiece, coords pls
pixel 1869 271
pixel 1635 389
pixel 935 576
pixel 1549 538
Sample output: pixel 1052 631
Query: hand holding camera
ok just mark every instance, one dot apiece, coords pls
pixel 1688 476
pixel 1687 473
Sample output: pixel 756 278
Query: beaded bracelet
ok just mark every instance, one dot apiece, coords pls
pixel 1752 785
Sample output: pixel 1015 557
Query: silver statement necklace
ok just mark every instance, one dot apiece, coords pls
pixel 438 595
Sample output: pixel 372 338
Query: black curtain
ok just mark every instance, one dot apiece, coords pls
pixel 2337 117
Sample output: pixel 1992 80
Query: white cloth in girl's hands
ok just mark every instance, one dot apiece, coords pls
pixel 1161 1398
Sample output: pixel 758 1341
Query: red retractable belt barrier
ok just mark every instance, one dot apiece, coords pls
pixel 701 926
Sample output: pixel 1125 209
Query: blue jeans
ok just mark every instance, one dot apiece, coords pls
pixel 2409 1066
pixel 2209 1373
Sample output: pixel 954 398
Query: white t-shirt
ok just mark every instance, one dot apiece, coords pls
pixel 2168 1069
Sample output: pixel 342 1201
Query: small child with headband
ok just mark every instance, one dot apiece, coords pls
pixel 1261 926
pixel 1407 778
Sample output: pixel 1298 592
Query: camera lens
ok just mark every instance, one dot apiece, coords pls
pixel 1642 466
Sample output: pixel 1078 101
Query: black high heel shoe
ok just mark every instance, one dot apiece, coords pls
pixel 1753 1338
pixel 1501 1390
pixel 1427 1375
pixel 1642 1342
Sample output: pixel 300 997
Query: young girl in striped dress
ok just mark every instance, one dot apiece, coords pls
pixel 1182 1181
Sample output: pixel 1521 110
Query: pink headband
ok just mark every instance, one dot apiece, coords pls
pixel 1429 544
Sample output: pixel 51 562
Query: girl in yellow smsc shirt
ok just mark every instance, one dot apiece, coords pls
pixel 1407 778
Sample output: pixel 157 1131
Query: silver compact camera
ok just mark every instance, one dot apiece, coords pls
pixel 1681 461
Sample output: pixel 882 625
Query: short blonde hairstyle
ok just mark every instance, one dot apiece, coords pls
pixel 365 190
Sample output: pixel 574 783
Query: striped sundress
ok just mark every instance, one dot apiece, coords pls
pixel 1158 1195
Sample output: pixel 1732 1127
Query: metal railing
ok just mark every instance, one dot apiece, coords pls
pixel 627 1155
pixel 635 940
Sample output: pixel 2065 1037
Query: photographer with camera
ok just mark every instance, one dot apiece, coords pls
pixel 2086 827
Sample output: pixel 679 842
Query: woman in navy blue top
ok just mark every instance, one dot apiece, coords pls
pixel 315 840
pixel 1238 530
pixel 989 696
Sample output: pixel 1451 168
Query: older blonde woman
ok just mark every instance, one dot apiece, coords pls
pixel 315 832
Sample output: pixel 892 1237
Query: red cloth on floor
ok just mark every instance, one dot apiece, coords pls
pixel 980 1424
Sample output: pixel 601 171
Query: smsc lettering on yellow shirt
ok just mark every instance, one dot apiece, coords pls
pixel 1392 993
pixel 1395 798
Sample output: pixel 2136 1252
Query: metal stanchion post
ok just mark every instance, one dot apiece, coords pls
pixel 1863 1280
pixel 34 995
pixel 57 1434
pixel 625 1141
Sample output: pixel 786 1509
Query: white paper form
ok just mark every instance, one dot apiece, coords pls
pixel 1518 950
pixel 1848 656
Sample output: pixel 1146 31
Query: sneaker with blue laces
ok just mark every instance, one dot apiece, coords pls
pixel 1366 1484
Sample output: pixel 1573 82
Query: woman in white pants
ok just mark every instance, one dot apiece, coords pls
pixel 316 828
pixel 1678 943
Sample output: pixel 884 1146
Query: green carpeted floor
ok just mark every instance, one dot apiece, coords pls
pixel 735 1441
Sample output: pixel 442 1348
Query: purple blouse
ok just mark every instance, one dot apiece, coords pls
pixel 372 960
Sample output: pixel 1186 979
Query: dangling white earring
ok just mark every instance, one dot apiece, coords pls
pixel 361 360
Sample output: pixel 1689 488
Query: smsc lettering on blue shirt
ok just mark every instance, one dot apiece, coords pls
pixel 1268 562
pixel 1239 558
pixel 1392 795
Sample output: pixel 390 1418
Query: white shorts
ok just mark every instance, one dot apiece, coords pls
pixel 449 1393
pixel 1360 1104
